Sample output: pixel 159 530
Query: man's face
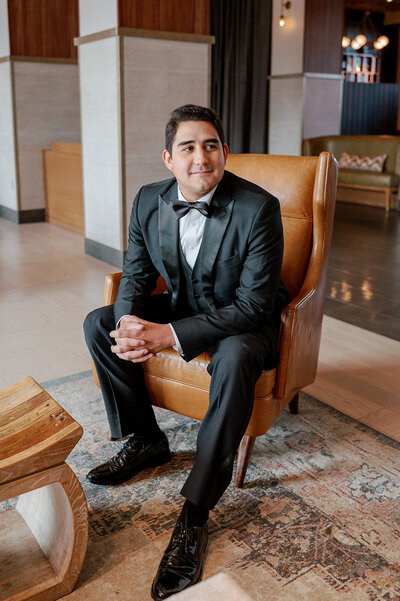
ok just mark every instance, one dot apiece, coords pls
pixel 198 158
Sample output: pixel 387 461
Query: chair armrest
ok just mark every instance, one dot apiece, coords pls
pixel 300 336
pixel 111 287
pixel 301 321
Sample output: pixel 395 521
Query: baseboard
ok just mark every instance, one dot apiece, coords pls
pixel 22 216
pixel 104 253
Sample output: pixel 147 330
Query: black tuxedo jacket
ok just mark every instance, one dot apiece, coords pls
pixel 239 261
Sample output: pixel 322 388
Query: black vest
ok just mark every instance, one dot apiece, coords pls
pixel 191 299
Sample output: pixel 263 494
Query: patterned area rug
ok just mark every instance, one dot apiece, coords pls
pixel 317 519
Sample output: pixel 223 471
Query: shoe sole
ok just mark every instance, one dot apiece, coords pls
pixel 151 462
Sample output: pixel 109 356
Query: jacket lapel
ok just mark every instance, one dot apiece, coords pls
pixel 168 235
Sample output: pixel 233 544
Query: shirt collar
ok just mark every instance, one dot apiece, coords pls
pixel 207 198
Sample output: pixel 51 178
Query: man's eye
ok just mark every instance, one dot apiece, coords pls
pixel 211 147
pixel 187 148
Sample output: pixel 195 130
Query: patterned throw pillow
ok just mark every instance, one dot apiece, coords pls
pixel 353 161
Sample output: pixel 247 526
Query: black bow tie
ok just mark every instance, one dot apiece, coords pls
pixel 181 207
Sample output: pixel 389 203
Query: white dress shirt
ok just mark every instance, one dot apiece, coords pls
pixel 191 229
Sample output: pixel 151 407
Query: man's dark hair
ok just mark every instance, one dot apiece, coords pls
pixel 191 112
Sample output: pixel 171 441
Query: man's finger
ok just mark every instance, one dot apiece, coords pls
pixel 136 356
pixel 129 342
pixel 122 348
pixel 126 331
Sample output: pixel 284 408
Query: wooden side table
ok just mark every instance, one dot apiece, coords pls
pixel 43 540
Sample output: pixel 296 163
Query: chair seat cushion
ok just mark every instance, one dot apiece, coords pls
pixel 357 177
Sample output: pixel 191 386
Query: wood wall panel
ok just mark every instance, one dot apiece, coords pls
pixel 43 28
pixel 62 171
pixel 190 16
pixel 323 35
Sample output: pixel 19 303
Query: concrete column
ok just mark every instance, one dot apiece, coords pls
pixel 39 104
pixel 130 81
pixel 286 92
pixel 8 164
pixel 305 88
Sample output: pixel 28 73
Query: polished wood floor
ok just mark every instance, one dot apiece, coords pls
pixel 358 370
pixel 48 285
pixel 363 281
pixel 358 374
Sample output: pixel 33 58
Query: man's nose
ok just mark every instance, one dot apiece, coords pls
pixel 200 156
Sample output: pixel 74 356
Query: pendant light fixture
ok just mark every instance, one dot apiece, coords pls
pixel 361 39
pixel 284 6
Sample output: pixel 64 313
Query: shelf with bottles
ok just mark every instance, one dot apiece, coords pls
pixel 360 67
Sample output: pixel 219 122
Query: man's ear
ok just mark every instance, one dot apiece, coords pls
pixel 167 158
pixel 226 151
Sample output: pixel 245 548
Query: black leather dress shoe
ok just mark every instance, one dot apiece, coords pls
pixel 135 455
pixel 182 562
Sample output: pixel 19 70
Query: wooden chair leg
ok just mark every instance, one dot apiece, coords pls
pixel 243 458
pixel 294 404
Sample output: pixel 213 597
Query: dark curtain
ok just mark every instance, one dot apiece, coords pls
pixel 240 66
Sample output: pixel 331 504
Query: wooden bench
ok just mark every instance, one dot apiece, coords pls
pixel 43 540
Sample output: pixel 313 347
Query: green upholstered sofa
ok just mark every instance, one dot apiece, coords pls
pixel 355 185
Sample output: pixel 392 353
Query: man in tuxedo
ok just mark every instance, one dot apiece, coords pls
pixel 217 241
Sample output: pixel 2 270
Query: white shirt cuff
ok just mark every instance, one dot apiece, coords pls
pixel 177 347
pixel 119 321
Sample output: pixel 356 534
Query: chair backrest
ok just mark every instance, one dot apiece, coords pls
pixel 291 179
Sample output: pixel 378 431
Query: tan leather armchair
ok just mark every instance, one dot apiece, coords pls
pixel 306 188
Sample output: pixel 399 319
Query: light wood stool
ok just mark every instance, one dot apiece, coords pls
pixel 43 540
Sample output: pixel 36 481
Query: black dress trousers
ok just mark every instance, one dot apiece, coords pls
pixel 235 366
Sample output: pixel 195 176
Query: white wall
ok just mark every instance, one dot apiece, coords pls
pixel 287 43
pixel 47 110
pixel 101 141
pixel 4 33
pixel 8 179
pixel 97 15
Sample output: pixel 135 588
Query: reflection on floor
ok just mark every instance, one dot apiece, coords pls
pixel 363 283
